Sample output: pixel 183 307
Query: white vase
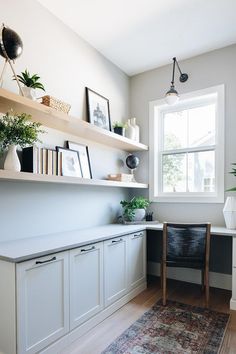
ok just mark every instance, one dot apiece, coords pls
pixel 29 92
pixel 130 131
pixel 137 129
pixel 229 212
pixel 139 214
pixel 12 162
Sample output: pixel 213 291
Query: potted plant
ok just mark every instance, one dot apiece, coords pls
pixel 16 129
pixel 135 209
pixel 119 128
pixel 30 84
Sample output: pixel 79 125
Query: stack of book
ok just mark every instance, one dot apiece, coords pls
pixel 41 160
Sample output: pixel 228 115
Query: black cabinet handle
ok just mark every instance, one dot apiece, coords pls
pixel 88 249
pixel 138 235
pixel 117 241
pixel 48 260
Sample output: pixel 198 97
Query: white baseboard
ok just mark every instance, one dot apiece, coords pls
pixel 232 304
pixel 217 280
pixel 69 338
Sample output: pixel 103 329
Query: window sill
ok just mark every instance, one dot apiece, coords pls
pixel 186 199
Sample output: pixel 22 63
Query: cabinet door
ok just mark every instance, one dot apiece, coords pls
pixel 136 259
pixel 115 263
pixel 42 301
pixel 234 270
pixel 86 283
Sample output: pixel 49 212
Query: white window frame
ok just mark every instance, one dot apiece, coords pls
pixel 156 109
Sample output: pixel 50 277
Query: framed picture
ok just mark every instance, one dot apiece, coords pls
pixel 70 163
pixel 83 157
pixel 98 109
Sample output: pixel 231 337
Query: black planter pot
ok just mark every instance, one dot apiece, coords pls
pixel 119 130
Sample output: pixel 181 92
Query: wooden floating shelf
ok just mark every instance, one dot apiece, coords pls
pixel 32 177
pixel 51 118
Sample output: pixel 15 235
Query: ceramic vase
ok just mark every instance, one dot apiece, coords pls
pixel 137 129
pixel 29 92
pixel 12 162
pixel 229 212
pixel 139 214
pixel 130 131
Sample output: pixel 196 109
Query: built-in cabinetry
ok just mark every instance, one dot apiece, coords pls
pixel 48 299
pixel 233 299
pixel 51 118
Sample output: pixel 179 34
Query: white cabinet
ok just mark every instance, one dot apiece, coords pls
pixel 42 301
pixel 86 283
pixel 136 259
pixel 115 269
pixel 234 272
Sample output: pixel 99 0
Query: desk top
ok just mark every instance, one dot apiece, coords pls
pixel 28 248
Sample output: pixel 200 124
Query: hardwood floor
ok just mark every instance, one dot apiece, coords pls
pixel 97 339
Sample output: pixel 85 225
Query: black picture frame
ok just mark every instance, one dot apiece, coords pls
pixel 70 162
pixel 83 157
pixel 98 109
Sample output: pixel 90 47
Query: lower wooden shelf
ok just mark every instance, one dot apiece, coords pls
pixel 32 177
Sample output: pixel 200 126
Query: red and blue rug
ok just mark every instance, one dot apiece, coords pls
pixel 174 328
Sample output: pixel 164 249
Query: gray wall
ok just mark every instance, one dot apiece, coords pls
pixel 210 69
pixel 66 65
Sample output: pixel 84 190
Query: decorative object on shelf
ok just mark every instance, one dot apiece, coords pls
pixel 17 130
pixel 120 177
pixel 98 109
pixel 56 104
pixel 172 95
pixel 31 83
pixel 136 129
pixel 119 128
pixel 135 209
pixel 11 47
pixel 229 212
pixel 83 157
pixel 70 162
pixel 130 131
pixel 132 163
pixel 149 216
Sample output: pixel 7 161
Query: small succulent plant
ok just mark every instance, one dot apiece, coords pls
pixel 30 81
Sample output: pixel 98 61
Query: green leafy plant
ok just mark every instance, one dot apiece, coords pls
pixel 130 206
pixel 119 125
pixel 233 172
pixel 17 129
pixel 30 81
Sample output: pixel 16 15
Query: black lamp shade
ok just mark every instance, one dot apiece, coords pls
pixel 11 45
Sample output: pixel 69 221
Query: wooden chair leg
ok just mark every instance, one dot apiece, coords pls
pixel 164 284
pixel 161 274
pixel 203 279
pixel 207 285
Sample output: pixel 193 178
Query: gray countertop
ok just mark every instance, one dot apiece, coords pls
pixel 28 248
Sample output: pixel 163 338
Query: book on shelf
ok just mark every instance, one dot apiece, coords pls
pixel 30 159
pixel 44 161
pixel 49 162
pixel 54 163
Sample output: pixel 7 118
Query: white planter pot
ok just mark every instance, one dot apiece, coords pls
pixel 229 212
pixel 12 162
pixel 29 92
pixel 139 214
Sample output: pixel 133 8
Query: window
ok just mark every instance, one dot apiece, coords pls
pixel 187 148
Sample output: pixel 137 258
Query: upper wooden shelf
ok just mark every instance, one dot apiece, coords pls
pixel 51 118
pixel 33 177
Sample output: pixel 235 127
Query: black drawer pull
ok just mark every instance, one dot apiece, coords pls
pixel 48 260
pixel 88 249
pixel 138 235
pixel 117 241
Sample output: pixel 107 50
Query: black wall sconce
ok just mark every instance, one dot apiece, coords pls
pixel 172 95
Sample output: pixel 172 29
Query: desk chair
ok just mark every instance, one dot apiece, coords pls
pixel 187 246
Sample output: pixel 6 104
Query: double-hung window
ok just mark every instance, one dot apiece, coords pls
pixel 187 148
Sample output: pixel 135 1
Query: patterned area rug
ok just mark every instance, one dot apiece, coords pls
pixel 176 328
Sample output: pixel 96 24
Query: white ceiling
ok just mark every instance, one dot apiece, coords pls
pixel 138 35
